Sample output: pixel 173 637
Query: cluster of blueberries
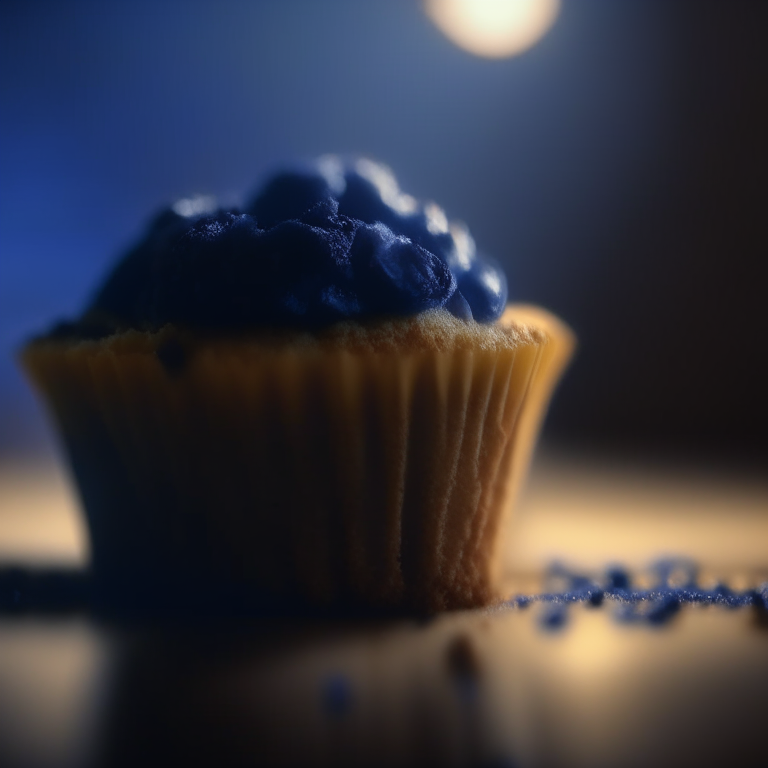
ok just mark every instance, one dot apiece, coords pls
pixel 319 244
pixel 675 584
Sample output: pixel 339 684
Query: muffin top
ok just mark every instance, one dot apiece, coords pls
pixel 320 244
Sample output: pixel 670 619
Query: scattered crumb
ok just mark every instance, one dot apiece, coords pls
pixel 462 658
pixel 336 694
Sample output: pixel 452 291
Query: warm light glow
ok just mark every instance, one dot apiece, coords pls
pixel 493 28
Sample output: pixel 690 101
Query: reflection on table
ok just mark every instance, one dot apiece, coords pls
pixel 481 688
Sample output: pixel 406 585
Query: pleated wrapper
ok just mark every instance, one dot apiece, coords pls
pixel 368 466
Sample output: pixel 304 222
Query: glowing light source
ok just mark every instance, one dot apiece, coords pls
pixel 195 206
pixel 493 28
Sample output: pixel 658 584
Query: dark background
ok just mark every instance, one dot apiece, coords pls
pixel 618 169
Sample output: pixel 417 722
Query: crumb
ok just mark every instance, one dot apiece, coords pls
pixel 462 658
pixel 337 694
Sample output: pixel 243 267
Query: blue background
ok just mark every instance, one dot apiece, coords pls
pixel 566 163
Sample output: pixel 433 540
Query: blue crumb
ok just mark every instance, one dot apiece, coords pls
pixel 662 609
pixel 554 617
pixel 675 585
pixel 319 244
pixel 337 695
pixel 618 578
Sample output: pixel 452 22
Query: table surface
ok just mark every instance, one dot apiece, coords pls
pixel 487 687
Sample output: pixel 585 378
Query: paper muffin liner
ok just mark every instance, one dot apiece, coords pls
pixel 337 473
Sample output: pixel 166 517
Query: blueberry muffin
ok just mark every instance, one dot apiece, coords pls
pixel 320 399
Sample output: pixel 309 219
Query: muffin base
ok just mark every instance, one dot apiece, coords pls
pixel 367 466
